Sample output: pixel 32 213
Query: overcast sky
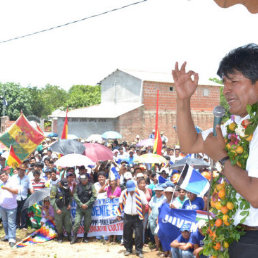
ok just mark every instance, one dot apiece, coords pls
pixel 149 36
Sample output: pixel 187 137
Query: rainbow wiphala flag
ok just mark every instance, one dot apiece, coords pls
pixel 45 233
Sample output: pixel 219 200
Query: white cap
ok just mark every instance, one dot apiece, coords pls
pixel 54 156
pixel 169 189
pixel 128 175
pixel 177 147
pixel 139 175
pixel 137 136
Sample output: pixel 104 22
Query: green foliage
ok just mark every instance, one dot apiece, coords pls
pixel 18 98
pixel 41 102
pixel 83 96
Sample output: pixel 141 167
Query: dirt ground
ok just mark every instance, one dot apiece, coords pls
pixel 53 249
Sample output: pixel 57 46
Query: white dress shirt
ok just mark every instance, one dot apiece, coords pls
pixel 24 184
pixel 251 167
pixel 130 204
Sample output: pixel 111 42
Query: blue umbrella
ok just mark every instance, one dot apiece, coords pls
pixel 111 135
pixel 52 135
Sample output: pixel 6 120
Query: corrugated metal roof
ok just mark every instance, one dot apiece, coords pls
pixel 160 77
pixel 103 110
pixel 156 76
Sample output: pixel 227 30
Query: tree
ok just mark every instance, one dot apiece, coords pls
pixel 83 96
pixel 18 99
pixel 52 97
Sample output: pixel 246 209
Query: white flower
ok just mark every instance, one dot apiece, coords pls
pixel 240 130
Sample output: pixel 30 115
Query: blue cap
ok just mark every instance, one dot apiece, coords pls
pixel 158 188
pixel 130 185
pixel 185 227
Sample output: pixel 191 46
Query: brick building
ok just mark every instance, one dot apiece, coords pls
pixel 128 105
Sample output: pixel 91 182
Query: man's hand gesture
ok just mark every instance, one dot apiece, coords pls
pixel 185 82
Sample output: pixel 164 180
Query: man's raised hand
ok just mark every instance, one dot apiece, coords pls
pixel 185 82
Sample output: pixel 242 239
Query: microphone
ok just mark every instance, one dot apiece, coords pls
pixel 218 113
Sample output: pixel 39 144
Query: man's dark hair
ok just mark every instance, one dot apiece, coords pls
pixel 3 172
pixel 39 164
pixel 36 172
pixel 52 170
pixel 243 59
pixel 101 173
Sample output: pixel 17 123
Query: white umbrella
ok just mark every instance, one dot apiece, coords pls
pixel 72 137
pixel 72 160
pixel 95 138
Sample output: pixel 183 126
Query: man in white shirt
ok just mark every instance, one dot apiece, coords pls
pixel 133 202
pixel 8 207
pixel 239 71
pixel 24 186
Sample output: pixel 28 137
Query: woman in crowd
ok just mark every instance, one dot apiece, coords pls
pixel 156 201
pixel 141 183
pixel 113 191
pixel 180 199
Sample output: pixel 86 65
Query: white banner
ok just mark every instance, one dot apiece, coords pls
pixel 104 220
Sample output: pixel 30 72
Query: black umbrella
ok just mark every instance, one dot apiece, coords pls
pixel 68 147
pixel 36 197
pixel 196 163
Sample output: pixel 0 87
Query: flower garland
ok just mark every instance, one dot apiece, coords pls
pixel 221 232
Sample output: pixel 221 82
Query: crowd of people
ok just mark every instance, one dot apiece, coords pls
pixel 141 188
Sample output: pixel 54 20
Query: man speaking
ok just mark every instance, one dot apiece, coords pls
pixel 239 72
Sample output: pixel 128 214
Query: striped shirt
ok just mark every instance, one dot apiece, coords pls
pixel 38 185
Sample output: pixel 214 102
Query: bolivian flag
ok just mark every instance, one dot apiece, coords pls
pixel 12 160
pixel 23 138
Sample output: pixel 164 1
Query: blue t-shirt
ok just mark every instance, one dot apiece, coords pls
pixel 196 204
pixel 197 238
pixel 181 239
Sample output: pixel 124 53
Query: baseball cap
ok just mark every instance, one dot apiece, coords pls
pixel 128 175
pixel 169 189
pixel 5 168
pixel 64 183
pixel 158 188
pixel 130 185
pixel 69 174
pixel 140 175
pixel 84 176
pixel 185 227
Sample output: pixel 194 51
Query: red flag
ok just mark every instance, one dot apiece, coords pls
pixel 39 129
pixel 158 142
pixel 65 128
pixel 12 160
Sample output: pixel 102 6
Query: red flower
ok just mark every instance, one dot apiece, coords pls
pixel 245 123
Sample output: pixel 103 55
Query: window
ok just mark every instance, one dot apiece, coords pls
pixel 205 92
pixel 171 88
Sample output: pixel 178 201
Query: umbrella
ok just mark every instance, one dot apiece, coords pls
pixel 37 196
pixel 97 152
pixel 150 158
pixel 72 137
pixel 95 138
pixel 111 135
pixel 67 147
pixel 196 163
pixel 52 135
pixel 73 160
pixel 145 143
